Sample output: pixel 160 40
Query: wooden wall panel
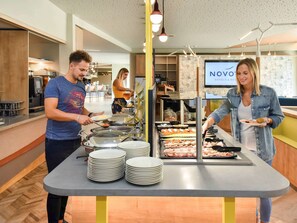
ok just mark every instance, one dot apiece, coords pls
pixel 285 161
pixel 14 53
pixel 140 65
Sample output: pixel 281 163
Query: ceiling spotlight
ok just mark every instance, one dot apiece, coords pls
pixel 156 16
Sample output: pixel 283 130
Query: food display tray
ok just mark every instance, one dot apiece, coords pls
pixel 163 156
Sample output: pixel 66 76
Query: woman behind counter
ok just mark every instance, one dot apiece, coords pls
pixel 251 101
pixel 121 94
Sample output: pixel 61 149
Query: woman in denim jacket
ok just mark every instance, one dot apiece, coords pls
pixel 251 101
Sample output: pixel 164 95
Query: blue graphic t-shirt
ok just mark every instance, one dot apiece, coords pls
pixel 71 99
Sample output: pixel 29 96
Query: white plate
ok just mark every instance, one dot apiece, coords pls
pixel 100 117
pixel 251 122
pixel 107 154
pixel 134 145
pixel 144 162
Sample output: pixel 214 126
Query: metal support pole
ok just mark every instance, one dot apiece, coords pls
pixel 181 112
pixel 198 130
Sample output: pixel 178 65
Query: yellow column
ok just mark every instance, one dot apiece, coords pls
pixel 101 210
pixel 229 210
pixel 148 60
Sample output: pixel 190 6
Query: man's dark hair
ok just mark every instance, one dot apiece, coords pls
pixel 79 55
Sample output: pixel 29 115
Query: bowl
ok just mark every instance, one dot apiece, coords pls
pixel 174 122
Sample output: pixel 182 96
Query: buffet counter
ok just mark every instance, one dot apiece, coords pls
pixel 21 146
pixel 15 121
pixel 227 181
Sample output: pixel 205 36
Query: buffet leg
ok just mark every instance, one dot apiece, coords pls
pixel 101 209
pixel 229 210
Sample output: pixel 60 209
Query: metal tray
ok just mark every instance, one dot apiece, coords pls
pixel 163 156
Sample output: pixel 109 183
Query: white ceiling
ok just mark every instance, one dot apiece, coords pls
pixel 210 24
pixel 205 25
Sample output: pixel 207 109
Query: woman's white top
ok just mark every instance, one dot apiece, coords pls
pixel 247 132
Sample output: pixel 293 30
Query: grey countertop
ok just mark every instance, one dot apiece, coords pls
pixel 11 122
pixel 257 180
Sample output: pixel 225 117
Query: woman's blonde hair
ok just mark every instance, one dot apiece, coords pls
pixel 121 72
pixel 253 68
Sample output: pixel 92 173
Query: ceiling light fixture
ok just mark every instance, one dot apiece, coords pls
pixel 152 1
pixel 163 37
pixel 191 51
pixel 156 16
pixel 156 27
pixel 185 53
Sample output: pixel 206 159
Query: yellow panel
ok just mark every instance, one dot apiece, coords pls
pixel 229 210
pixel 101 210
pixel 148 60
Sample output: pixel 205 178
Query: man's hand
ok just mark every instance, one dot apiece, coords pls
pixel 84 119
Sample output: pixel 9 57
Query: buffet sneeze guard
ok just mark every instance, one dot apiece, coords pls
pixel 241 160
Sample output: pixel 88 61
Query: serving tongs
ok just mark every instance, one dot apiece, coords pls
pixel 227 148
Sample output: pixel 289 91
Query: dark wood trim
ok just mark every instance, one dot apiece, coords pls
pixel 23 150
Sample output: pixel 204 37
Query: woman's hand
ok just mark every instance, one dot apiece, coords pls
pixel 264 121
pixel 209 122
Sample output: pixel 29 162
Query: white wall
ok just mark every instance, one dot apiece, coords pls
pixel 40 16
pixel 111 58
pixel 81 23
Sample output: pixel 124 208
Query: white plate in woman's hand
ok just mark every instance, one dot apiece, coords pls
pixel 252 122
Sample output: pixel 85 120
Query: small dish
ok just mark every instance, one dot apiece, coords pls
pixel 104 125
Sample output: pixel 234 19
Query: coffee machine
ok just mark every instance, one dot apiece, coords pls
pixel 36 98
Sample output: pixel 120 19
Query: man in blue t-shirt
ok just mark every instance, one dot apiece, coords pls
pixel 64 108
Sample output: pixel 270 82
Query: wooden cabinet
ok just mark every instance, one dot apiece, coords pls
pixel 14 53
pixel 166 68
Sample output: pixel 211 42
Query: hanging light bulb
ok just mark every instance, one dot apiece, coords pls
pixel 185 53
pixel 156 16
pixel 229 55
pixel 152 2
pixel 163 36
pixel 156 27
pixel 269 53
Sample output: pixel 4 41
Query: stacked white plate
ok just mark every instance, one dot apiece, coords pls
pixel 135 148
pixel 106 165
pixel 144 170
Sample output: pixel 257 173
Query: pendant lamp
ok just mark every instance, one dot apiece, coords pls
pixel 163 37
pixel 156 16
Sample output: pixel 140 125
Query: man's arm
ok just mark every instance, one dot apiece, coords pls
pixel 51 112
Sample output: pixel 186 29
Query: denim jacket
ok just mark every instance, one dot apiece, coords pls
pixel 264 105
